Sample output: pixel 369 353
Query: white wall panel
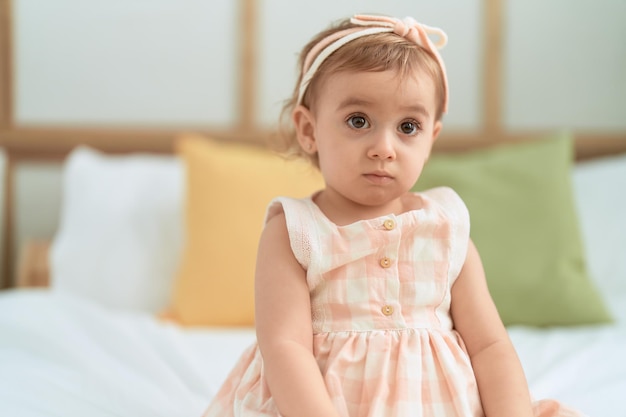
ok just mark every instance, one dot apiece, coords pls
pixel 125 62
pixel 566 64
pixel 286 26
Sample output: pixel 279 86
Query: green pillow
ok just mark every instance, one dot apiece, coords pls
pixel 525 226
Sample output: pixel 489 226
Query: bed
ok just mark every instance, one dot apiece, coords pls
pixel 104 326
pixel 140 301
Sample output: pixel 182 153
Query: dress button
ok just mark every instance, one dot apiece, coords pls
pixel 387 310
pixel 389 224
pixel 385 262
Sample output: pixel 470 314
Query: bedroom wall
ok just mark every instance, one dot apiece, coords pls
pixel 164 63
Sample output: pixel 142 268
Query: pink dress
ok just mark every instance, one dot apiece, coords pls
pixel 380 300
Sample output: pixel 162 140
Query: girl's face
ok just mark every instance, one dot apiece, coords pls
pixel 373 132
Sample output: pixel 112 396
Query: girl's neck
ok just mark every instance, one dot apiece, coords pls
pixel 342 211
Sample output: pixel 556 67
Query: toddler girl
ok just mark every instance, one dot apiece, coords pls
pixel 371 300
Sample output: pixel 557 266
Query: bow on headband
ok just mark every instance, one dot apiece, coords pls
pixel 407 28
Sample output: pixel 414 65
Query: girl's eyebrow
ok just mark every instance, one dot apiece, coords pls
pixel 354 101
pixel 418 108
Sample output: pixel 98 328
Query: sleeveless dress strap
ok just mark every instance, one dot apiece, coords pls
pixel 456 211
pixel 300 225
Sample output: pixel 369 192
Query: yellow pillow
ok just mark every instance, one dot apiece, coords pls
pixel 228 189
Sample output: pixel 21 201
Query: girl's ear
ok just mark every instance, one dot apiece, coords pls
pixel 304 122
pixel 437 130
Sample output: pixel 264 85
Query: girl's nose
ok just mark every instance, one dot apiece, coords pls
pixel 382 147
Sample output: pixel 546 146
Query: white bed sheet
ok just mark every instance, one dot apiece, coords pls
pixel 64 356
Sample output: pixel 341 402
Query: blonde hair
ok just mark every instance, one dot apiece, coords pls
pixel 375 52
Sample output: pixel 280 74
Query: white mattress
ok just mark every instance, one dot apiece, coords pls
pixel 64 356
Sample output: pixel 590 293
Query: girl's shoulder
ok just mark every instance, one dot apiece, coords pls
pixel 295 216
pixel 288 207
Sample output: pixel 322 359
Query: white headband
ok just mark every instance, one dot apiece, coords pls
pixel 407 28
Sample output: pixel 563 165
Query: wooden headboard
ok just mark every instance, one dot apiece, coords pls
pixel 28 143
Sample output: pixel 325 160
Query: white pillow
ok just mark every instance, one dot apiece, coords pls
pixel 600 192
pixel 121 229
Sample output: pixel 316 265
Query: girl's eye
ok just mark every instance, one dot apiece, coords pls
pixel 409 127
pixel 358 122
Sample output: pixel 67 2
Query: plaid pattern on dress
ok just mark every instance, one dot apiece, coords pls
pixel 380 300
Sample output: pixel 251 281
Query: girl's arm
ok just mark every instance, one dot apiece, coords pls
pixel 284 330
pixel 499 374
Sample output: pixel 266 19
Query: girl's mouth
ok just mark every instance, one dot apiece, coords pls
pixel 378 178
